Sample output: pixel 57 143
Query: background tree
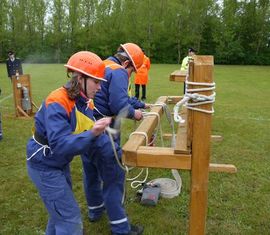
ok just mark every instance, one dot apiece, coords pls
pixel 234 31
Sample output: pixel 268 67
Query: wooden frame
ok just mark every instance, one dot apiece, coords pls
pixel 18 83
pixel 178 76
pixel 192 150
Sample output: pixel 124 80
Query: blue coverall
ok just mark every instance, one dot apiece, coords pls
pixel 111 100
pixel 62 132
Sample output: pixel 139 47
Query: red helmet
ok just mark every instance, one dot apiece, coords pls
pixel 135 54
pixel 87 63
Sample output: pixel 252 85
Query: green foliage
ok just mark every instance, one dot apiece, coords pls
pixel 48 31
pixel 237 204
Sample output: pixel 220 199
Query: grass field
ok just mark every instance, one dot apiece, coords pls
pixel 237 203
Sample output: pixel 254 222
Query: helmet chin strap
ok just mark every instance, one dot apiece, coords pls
pixel 85 87
pixel 84 90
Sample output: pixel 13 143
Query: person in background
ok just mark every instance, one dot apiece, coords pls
pixel 185 61
pixel 141 78
pixel 113 101
pixel 14 65
pixel 184 65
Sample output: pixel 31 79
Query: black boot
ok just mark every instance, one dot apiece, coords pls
pixel 134 230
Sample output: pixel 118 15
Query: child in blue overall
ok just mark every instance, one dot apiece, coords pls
pixel 64 128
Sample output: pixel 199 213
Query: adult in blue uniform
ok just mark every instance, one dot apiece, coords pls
pixel 111 101
pixel 14 65
pixel 64 128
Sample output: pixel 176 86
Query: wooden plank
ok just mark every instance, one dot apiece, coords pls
pixel 21 112
pixel 181 136
pixel 216 138
pixel 161 157
pixel 226 168
pixel 34 105
pixel 201 134
pixel 147 126
pixel 173 99
pixel 190 114
pixel 178 76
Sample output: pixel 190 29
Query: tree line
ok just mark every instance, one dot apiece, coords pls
pixel 49 31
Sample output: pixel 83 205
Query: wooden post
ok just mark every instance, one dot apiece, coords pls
pixel 192 150
pixel 201 135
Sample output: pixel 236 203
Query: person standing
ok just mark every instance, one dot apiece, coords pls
pixel 141 78
pixel 14 65
pixel 64 128
pixel 112 101
pixel 113 97
pixel 185 61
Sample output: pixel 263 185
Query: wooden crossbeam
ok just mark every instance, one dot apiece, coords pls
pixel 178 76
pixel 173 99
pixel 214 138
pixel 161 157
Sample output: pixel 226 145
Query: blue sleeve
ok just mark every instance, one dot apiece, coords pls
pixel 135 103
pixel 8 70
pixel 118 96
pixel 59 133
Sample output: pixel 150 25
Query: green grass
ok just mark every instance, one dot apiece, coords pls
pixel 237 203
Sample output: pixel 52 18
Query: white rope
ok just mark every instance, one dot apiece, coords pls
pixel 177 117
pixel 198 99
pixel 137 183
pixel 209 86
pixel 111 132
pixel 43 147
pixel 169 118
pixel 170 188
pixel 147 114
pixel 140 133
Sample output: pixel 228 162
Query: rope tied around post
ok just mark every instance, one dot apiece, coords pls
pixel 198 99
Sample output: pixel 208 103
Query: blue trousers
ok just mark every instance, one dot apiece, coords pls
pixel 104 184
pixel 54 187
